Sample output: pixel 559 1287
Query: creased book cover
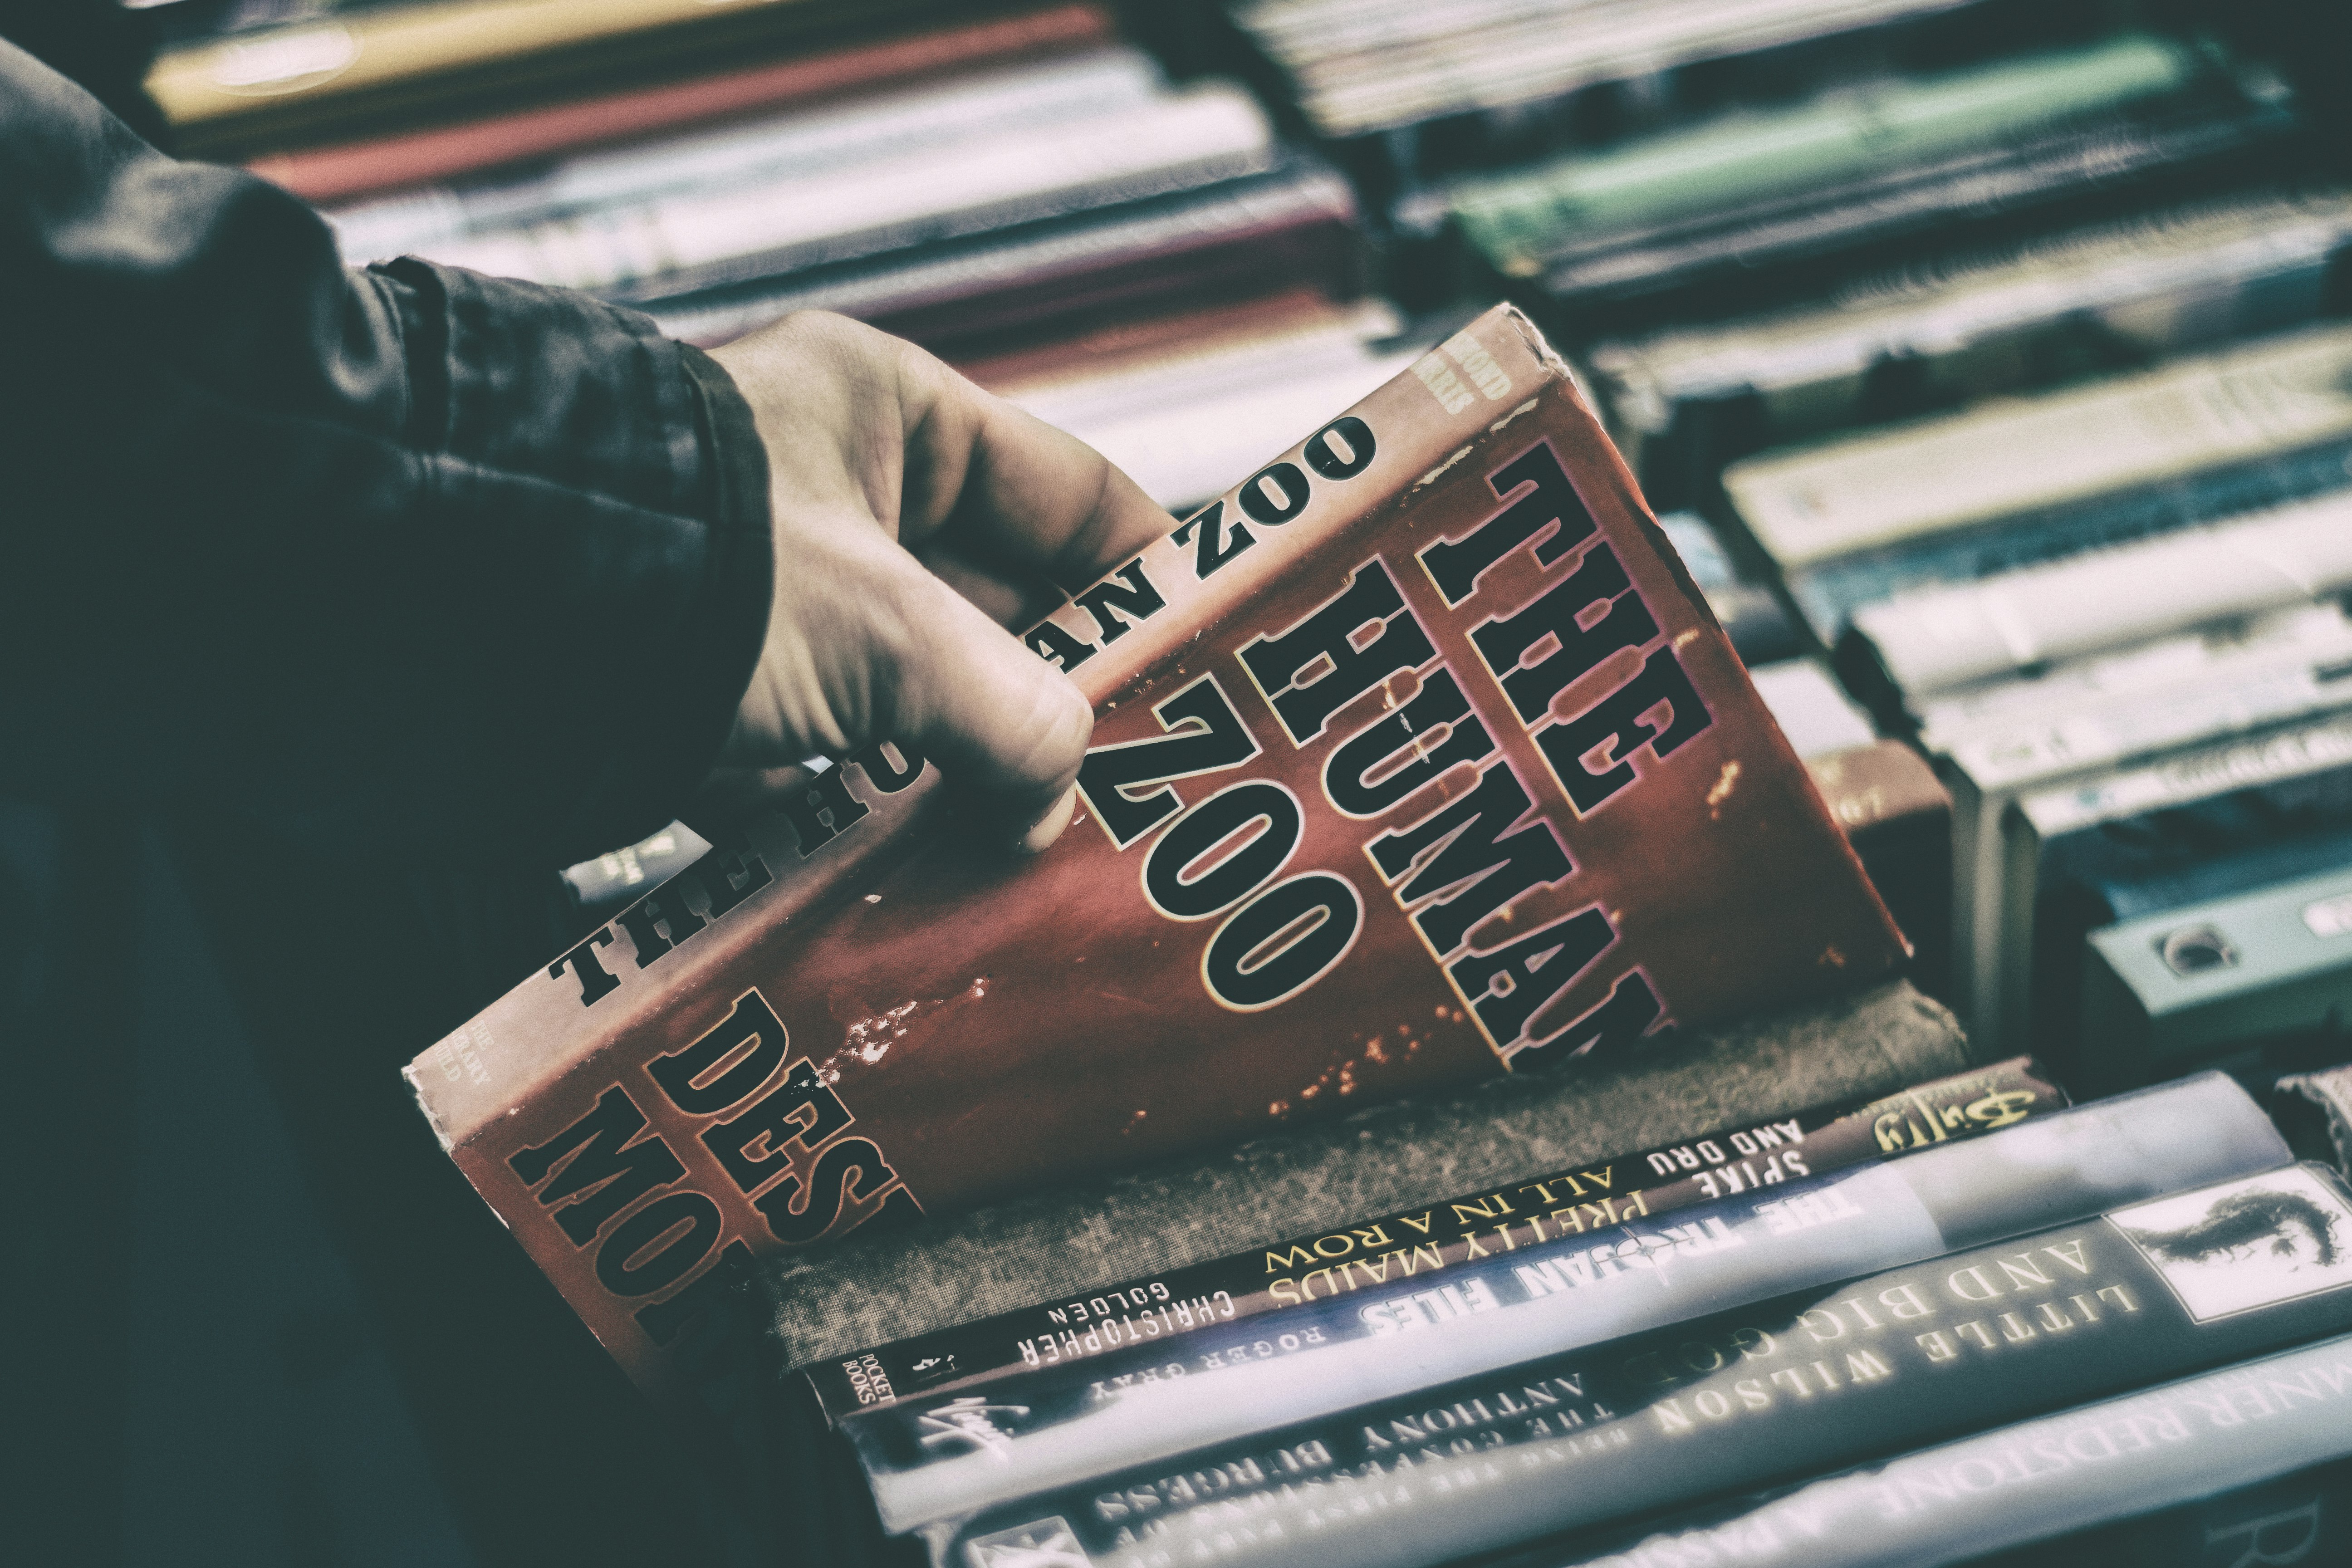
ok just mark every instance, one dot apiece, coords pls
pixel 1418 757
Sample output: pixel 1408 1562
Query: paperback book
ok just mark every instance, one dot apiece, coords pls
pixel 1417 758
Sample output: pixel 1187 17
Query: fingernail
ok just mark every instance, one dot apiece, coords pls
pixel 1048 827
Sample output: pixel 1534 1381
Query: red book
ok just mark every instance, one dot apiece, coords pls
pixel 1418 757
pixel 342 171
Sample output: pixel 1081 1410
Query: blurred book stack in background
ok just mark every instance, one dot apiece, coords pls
pixel 1019 189
pixel 1989 363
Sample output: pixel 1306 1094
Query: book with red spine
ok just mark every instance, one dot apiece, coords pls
pixel 341 171
pixel 1418 757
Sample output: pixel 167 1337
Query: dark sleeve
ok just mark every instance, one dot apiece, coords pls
pixel 405 557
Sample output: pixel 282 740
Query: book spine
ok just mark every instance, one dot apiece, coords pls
pixel 2318 634
pixel 2244 1464
pixel 1756 252
pixel 1516 57
pixel 396 66
pixel 603 888
pixel 2118 869
pixel 1178 176
pixel 2033 454
pixel 1829 592
pixel 797 145
pixel 1287 225
pixel 2188 984
pixel 345 171
pixel 705 240
pixel 2248 764
pixel 1953 332
pixel 1703 1167
pixel 1148 1405
pixel 1513 221
pixel 1898 818
pixel 1808 1381
pixel 1939 638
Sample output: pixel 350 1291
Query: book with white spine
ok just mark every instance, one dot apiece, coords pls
pixel 1942 638
pixel 1940 476
pixel 669 245
pixel 2223 656
pixel 795 143
pixel 1991 769
pixel 1971 325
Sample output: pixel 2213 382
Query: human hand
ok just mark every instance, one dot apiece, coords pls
pixel 915 517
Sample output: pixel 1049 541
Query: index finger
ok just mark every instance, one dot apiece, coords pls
pixel 995 484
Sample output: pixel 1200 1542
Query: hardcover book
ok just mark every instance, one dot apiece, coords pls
pixel 1418 757
pixel 2257 685
pixel 1898 818
pixel 1295 224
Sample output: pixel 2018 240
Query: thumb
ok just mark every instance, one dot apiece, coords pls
pixel 997 719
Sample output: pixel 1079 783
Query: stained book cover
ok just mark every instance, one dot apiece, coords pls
pixel 1417 757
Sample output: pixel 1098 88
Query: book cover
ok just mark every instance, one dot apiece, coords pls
pixel 1369 807
pixel 1941 477
pixel 1808 1381
pixel 1702 1166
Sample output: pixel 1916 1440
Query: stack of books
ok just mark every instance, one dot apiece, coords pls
pixel 1022 192
pixel 1989 366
